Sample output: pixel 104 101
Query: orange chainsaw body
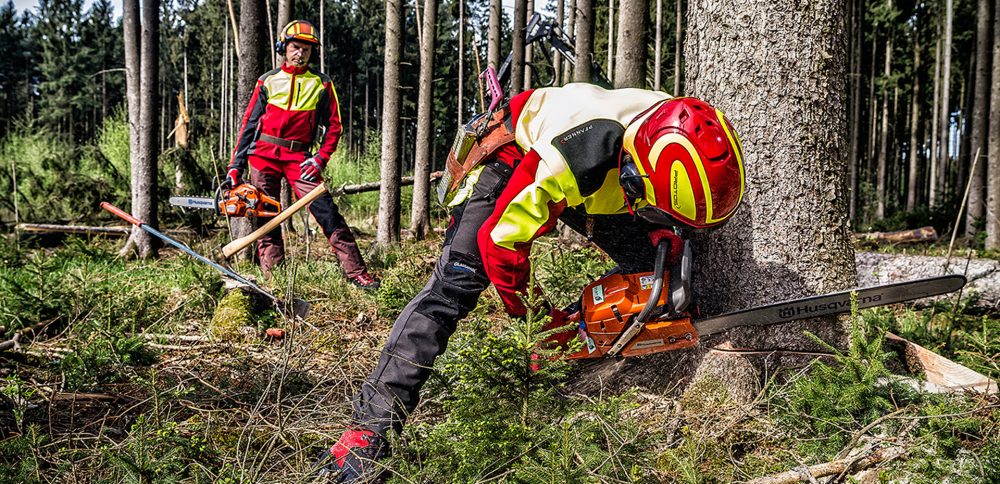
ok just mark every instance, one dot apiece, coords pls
pixel 610 304
pixel 247 200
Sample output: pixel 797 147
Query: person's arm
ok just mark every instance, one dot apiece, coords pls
pixel 527 208
pixel 328 114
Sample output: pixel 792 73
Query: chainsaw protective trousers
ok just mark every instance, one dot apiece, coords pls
pixel 422 330
pixel 271 247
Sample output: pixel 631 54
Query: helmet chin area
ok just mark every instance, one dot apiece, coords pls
pixel 656 216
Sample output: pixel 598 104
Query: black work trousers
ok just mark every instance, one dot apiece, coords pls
pixel 422 330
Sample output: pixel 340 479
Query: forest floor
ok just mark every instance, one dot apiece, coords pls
pixel 139 377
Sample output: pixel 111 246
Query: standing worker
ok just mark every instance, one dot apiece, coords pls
pixel 290 129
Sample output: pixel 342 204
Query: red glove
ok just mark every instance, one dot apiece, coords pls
pixel 233 177
pixel 311 169
pixel 676 248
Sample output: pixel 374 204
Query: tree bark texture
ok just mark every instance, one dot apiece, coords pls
pixel 571 31
pixel 420 210
pixel 787 98
pixel 658 46
pixel 932 191
pixel 980 108
pixel 993 170
pixel 611 42
pixel 459 99
pixel 678 37
pixel 884 131
pixel 493 37
pixel 557 60
pixel 517 60
pixel 633 20
pixel 387 231
pixel 144 168
pixel 131 26
pixel 583 71
pixel 285 12
pixel 855 121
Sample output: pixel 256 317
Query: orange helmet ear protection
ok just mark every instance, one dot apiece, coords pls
pixel 299 30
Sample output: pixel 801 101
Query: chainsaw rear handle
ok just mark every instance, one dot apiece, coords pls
pixel 121 214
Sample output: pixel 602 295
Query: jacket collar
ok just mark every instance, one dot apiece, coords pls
pixel 293 69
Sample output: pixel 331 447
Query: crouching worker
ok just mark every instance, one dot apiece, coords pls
pixel 293 110
pixel 619 166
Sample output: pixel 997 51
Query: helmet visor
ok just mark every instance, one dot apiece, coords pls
pixel 656 216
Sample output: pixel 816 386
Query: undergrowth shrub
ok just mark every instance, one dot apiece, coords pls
pixel 562 273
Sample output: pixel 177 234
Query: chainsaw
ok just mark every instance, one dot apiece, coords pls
pixel 631 314
pixel 244 200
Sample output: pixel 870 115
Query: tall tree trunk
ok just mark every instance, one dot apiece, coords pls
pixel 678 37
pixel 286 8
pixel 517 46
pixel 658 46
pixel 131 26
pixel 250 65
pixel 884 130
pixel 980 108
pixel 633 20
pixel 571 30
pixel 806 249
pixel 144 200
pixel 913 182
pixel 493 38
pixel 556 58
pixel 935 105
pixel 583 71
pixel 993 151
pixel 528 54
pixel 387 231
pixel 855 77
pixel 945 123
pixel 420 210
pixel 611 41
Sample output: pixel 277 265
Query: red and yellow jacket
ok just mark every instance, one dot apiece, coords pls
pixel 572 138
pixel 292 103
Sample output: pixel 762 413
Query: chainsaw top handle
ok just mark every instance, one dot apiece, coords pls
pixel 654 294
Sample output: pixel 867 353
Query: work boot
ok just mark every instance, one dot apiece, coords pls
pixel 354 458
pixel 366 281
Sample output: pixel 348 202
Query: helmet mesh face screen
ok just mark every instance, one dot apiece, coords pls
pixel 656 216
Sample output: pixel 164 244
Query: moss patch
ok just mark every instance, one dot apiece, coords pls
pixel 235 310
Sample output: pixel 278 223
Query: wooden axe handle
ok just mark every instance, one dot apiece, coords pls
pixel 241 243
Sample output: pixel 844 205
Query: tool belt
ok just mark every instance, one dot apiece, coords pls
pixel 474 143
pixel 287 143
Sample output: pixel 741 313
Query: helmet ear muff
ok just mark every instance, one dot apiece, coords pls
pixel 631 180
pixel 279 47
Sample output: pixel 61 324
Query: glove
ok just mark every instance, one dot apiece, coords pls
pixel 311 169
pixel 233 177
pixel 676 248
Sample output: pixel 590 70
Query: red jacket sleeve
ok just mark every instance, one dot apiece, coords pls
pixel 509 269
pixel 329 115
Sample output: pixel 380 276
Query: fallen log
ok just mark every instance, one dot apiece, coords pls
pixel 852 464
pixel 73 229
pixel 942 375
pixel 25 332
pixel 375 185
pixel 912 236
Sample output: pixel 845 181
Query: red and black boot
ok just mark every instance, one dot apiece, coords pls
pixel 354 458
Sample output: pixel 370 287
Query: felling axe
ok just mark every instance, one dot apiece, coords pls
pixel 241 243
pixel 298 307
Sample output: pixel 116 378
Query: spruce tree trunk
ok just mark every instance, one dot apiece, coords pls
pixel 517 60
pixel 884 132
pixel 855 82
pixel 945 122
pixel 980 108
pixel 571 31
pixel 131 26
pixel 286 9
pixel 493 37
pixel 791 236
pixel 420 210
pixel 633 20
pixel 459 99
pixel 144 200
pixel 583 71
pixel 658 46
pixel 250 65
pixel 528 55
pixel 993 151
pixel 678 37
pixel 935 152
pixel 611 42
pixel 913 181
pixel 387 231
pixel 556 58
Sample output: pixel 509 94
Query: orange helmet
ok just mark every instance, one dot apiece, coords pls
pixel 299 30
pixel 683 159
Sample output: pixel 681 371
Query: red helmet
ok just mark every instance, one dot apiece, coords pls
pixel 299 30
pixel 686 164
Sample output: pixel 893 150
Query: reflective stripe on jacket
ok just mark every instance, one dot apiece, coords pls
pixel 291 103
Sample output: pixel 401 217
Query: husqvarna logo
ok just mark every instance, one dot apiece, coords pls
pixel 792 311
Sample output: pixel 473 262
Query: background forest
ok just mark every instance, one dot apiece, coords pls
pixel 149 370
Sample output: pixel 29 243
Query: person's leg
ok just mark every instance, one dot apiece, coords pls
pixel 422 330
pixel 270 247
pixel 331 222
